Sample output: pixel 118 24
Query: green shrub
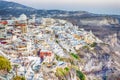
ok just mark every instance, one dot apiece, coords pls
pixel 62 71
pixel 5 64
pixel 57 57
pixel 93 44
pixel 57 41
pixel 66 69
pixel 59 72
pixel 19 78
pixel 75 56
pixel 86 47
pixel 80 75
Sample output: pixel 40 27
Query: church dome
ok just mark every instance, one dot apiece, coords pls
pixel 23 17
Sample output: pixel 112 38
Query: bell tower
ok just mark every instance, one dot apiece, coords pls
pixel 23 23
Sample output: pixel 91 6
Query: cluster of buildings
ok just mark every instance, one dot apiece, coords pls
pixel 29 44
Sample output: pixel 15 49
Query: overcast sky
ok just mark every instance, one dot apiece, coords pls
pixel 95 6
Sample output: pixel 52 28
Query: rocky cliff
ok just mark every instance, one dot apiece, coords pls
pixel 99 21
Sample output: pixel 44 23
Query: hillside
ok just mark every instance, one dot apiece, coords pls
pixel 15 9
pixel 8 9
pixel 75 42
pixel 59 50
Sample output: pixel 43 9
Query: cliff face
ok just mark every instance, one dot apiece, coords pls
pixel 101 26
pixel 99 21
pixel 103 62
pixel 112 40
pixel 100 63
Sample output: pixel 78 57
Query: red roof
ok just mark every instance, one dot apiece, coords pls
pixel 2 39
pixel 42 54
pixel 20 24
pixel 4 22
pixel 3 42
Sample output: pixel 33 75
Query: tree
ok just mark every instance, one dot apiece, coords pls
pixel 19 78
pixel 5 64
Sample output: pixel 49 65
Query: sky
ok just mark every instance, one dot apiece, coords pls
pixel 93 6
